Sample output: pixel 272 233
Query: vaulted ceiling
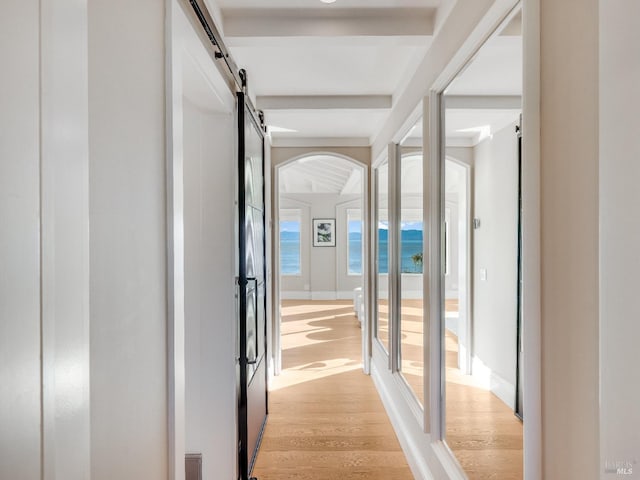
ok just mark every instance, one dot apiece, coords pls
pixel 321 174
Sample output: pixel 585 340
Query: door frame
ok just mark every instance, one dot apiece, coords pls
pixel 464 358
pixel 275 270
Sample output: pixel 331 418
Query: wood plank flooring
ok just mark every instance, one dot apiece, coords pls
pixel 482 432
pixel 326 419
pixel 327 422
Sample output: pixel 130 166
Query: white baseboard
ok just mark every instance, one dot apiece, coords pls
pixel 493 382
pixel 295 295
pixel 504 390
pixel 412 294
pixel 317 295
pixel 345 295
pixel 324 295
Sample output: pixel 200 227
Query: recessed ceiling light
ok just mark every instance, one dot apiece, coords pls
pixel 328 1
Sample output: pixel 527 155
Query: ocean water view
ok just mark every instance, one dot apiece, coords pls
pixel 411 244
pixel 290 253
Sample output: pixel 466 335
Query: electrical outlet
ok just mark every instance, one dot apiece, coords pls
pixel 483 274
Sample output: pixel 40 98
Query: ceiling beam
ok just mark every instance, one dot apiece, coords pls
pixel 398 41
pixel 323 102
pixel 322 22
pixel 321 171
pixel 353 182
pixel 279 141
pixel 483 102
pixel 335 165
pixel 317 175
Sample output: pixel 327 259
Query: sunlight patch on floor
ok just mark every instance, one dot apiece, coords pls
pixel 313 371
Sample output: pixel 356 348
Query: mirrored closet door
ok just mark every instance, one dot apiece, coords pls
pixel 481 290
pixel 411 260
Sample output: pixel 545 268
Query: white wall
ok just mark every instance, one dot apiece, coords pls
pixel 495 251
pixel 462 154
pixel 65 240
pixel 321 273
pixel 619 234
pixel 128 247
pixel 19 241
pixel 44 317
pixel 569 238
pixel 209 192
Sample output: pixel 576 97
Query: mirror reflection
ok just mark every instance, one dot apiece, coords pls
pixel 411 261
pixel 382 248
pixel 481 259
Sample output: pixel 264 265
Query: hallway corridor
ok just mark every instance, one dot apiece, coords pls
pixel 326 420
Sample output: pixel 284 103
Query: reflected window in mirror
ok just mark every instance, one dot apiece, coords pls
pixel 411 261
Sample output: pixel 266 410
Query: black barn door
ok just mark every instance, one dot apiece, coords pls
pixel 252 344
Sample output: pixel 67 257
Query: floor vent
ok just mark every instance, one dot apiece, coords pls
pixel 193 466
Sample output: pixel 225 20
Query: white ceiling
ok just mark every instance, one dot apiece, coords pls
pixel 300 53
pixel 330 124
pixel 341 69
pixel 304 49
pixel 496 69
pixel 491 85
pixel 466 128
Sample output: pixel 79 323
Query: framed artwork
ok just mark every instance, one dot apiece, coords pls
pixel 324 232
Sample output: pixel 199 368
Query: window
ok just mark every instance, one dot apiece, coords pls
pixel 411 247
pixel 383 247
pixel 354 242
pixel 290 242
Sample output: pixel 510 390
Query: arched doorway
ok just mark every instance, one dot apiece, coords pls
pixel 320 190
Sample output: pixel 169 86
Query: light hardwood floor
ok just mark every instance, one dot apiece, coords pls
pixel 326 419
pixel 327 422
pixel 482 432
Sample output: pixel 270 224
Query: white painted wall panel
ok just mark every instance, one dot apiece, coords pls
pixel 495 251
pixel 569 238
pixel 19 241
pixel 127 240
pixel 210 321
pixel 619 236
pixel 65 240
